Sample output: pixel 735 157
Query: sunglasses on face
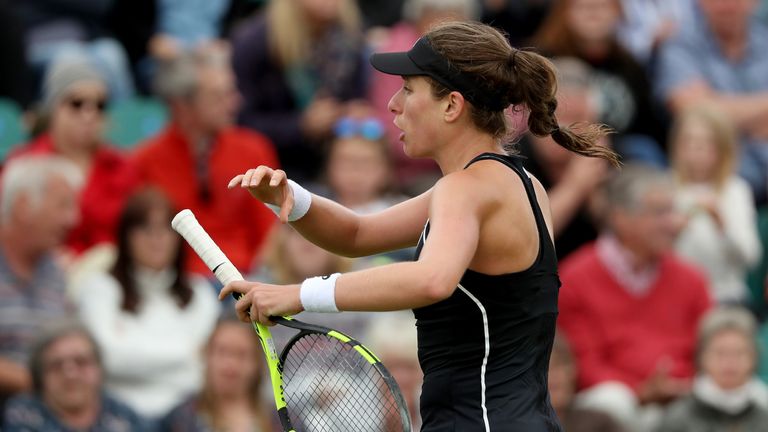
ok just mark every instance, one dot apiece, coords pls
pixel 78 104
pixel 369 128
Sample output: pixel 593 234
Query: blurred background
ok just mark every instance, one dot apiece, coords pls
pixel 115 114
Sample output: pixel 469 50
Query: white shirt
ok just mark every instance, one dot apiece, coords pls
pixel 724 255
pixel 152 359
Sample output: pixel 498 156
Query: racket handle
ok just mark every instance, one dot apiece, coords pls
pixel 187 225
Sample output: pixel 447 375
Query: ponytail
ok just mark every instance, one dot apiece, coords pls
pixel 535 85
pixel 529 77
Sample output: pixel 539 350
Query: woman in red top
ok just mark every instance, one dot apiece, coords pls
pixel 75 98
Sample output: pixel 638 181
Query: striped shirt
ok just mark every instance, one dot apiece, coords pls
pixel 27 305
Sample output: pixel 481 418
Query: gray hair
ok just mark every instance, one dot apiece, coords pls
pixel 725 318
pixel 627 188
pixel 178 78
pixel 63 74
pixel 30 176
pixel 49 334
pixel 413 10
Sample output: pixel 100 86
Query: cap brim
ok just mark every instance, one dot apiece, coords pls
pixel 396 63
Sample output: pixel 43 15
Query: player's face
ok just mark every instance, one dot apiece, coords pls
pixel 418 115
pixel 71 374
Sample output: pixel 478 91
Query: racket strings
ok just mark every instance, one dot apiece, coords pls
pixel 330 387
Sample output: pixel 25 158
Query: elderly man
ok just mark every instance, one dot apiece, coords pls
pixel 38 207
pixel 628 305
pixel 68 394
pixel 195 157
pixel 722 57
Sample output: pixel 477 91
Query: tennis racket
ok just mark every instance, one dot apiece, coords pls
pixel 323 380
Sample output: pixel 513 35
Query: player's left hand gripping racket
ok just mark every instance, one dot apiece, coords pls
pixel 323 381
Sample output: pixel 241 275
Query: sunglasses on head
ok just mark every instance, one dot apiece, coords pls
pixel 368 128
pixel 79 104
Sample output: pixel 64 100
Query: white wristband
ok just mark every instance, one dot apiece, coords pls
pixel 302 199
pixel 318 294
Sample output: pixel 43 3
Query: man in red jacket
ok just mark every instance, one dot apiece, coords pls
pixel 194 158
pixel 629 306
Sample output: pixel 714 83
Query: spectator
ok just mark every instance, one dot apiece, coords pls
pixel 230 398
pixel 722 57
pixel 646 24
pixel 75 101
pixel 721 233
pixel 562 389
pixel 68 394
pixel 587 29
pixel 150 319
pixel 413 175
pixel 201 150
pixel 73 30
pixel 359 172
pixel 37 209
pixel 160 30
pixel 726 394
pixel 630 306
pixel 571 181
pixel 290 258
pixel 399 355
pixel 299 66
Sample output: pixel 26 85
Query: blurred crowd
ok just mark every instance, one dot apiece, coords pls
pixel 116 114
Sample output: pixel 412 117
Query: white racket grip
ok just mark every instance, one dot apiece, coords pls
pixel 187 225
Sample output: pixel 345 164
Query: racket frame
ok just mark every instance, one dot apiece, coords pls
pixel 190 229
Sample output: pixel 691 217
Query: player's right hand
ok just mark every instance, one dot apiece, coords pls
pixel 267 185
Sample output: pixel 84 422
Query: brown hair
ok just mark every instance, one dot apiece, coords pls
pixel 555 35
pixel 207 403
pixel 724 136
pixel 527 78
pixel 135 214
pixel 50 333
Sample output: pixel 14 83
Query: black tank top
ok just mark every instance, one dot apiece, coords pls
pixel 485 349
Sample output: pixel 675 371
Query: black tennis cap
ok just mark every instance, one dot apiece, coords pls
pixel 421 59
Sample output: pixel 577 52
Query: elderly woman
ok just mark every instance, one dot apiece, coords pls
pixel 74 102
pixel 726 395
pixel 67 378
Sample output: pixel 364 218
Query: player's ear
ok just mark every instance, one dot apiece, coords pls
pixel 453 107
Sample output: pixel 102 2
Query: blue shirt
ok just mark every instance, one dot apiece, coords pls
pixel 191 21
pixel 29 414
pixel 694 54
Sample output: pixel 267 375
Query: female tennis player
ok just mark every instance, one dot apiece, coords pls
pixel 484 284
